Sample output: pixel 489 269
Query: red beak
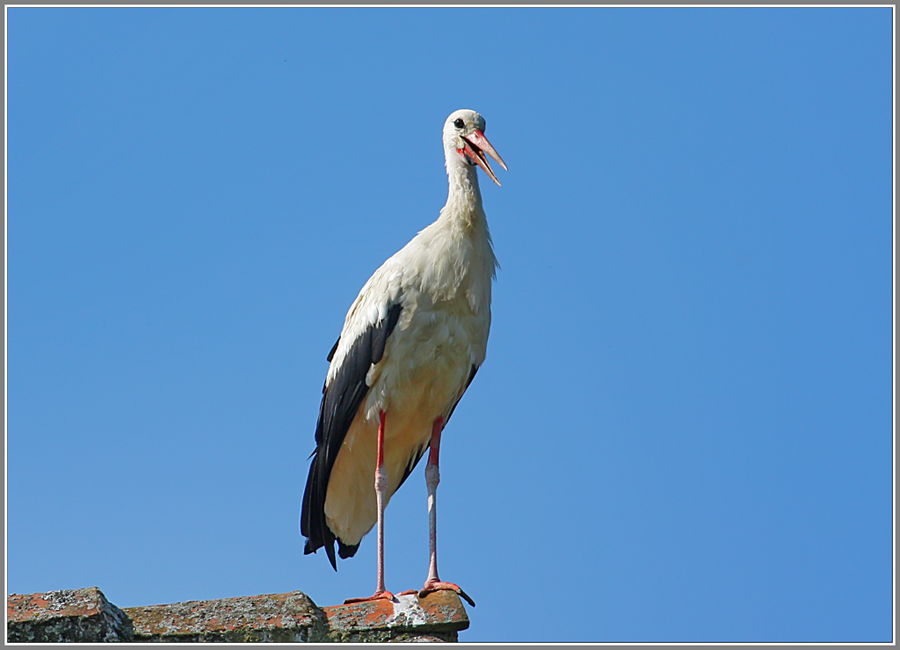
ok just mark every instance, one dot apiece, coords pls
pixel 476 146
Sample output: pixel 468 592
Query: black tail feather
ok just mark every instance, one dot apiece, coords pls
pixel 346 550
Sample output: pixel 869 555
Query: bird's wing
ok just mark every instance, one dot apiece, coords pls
pixel 360 346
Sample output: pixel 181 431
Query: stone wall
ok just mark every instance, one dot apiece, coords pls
pixel 85 615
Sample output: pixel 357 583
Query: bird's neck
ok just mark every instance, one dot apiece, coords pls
pixel 463 220
pixel 464 198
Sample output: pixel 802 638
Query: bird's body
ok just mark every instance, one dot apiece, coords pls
pixel 442 282
pixel 411 344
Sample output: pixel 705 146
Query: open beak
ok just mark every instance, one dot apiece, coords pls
pixel 476 146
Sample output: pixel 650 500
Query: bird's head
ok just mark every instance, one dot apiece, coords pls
pixel 464 142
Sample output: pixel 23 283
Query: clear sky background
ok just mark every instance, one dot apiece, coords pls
pixel 683 429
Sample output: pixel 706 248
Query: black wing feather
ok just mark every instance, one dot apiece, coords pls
pixel 340 401
pixel 333 350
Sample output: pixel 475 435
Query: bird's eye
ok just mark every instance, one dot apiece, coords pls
pixel 458 123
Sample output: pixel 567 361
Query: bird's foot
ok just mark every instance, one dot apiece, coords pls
pixel 437 585
pixel 378 595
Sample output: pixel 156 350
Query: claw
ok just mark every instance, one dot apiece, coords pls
pixel 449 586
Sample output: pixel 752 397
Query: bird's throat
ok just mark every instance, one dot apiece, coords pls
pixel 464 193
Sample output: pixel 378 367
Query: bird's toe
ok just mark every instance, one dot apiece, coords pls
pixel 448 586
pixel 378 595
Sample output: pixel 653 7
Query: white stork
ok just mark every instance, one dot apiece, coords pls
pixel 411 344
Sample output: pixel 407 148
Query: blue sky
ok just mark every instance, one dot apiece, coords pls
pixel 683 428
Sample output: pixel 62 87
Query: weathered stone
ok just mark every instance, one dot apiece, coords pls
pixel 439 616
pixel 280 618
pixel 85 615
pixel 75 615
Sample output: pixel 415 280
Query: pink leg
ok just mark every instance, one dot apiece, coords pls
pixel 432 478
pixel 380 492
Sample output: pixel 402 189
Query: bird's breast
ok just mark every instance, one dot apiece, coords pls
pixel 429 357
